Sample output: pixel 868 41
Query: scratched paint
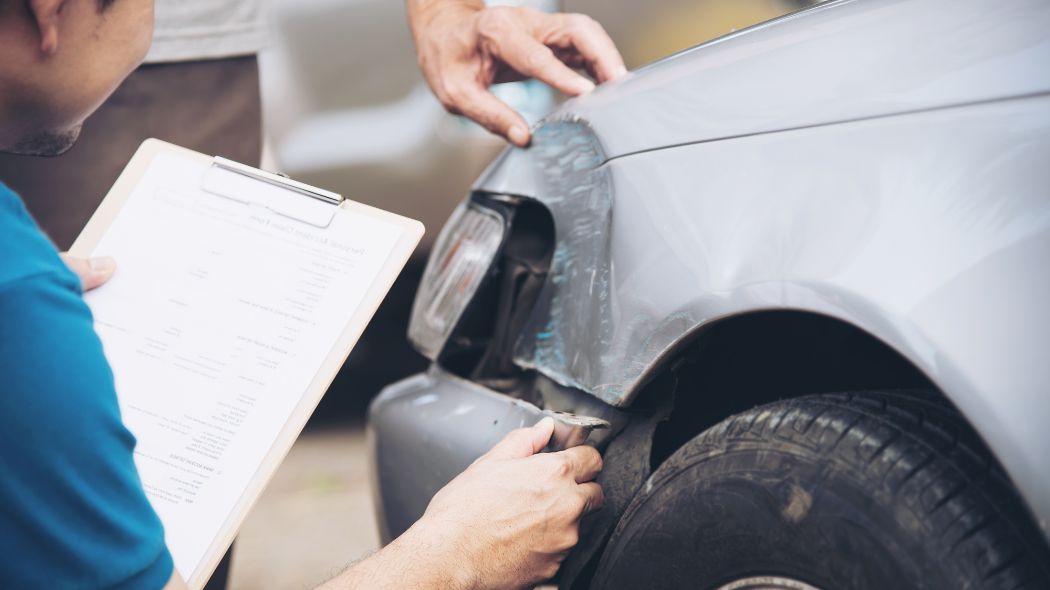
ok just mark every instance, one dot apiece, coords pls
pixel 566 163
pixel 574 335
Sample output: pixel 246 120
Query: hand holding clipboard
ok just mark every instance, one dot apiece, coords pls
pixel 239 295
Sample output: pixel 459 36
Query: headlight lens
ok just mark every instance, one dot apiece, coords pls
pixel 462 255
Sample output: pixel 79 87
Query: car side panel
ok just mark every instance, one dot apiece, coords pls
pixel 931 231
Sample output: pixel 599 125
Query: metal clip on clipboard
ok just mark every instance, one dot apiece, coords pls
pixel 277 193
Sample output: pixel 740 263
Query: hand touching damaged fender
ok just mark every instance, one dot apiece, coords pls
pixel 464 48
pixel 506 522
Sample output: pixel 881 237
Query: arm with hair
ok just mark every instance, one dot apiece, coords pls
pixel 506 522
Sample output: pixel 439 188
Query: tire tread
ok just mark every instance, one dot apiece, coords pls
pixel 920 453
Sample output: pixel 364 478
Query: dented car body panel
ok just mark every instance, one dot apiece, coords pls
pixel 809 165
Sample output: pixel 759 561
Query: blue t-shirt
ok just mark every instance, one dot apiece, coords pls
pixel 73 513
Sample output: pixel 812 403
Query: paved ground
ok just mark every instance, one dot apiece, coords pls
pixel 313 519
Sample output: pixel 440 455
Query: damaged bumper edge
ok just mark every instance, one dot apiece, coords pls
pixel 425 430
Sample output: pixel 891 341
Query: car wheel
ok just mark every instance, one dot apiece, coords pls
pixel 862 491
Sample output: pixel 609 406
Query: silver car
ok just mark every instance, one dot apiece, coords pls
pixel 803 273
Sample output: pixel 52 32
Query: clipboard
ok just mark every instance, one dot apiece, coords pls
pixel 302 204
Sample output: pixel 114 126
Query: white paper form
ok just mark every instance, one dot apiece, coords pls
pixel 215 324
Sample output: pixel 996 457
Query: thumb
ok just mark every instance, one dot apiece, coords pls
pixel 93 272
pixel 524 442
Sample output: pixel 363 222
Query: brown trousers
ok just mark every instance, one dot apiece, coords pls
pixel 210 106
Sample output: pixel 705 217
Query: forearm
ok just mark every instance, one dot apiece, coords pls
pixel 417 559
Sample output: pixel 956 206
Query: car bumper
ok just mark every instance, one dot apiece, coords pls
pixel 425 430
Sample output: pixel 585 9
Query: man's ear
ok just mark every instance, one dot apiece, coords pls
pixel 45 13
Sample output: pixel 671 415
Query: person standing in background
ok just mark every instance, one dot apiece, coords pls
pixel 199 88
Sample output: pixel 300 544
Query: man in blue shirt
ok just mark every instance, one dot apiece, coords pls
pixel 73 513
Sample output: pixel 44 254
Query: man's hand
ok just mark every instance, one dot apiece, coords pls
pixel 463 48
pixel 93 271
pixel 506 522
pixel 514 514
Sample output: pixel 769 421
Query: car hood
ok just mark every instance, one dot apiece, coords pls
pixel 840 61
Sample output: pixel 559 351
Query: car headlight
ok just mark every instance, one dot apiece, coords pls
pixel 459 261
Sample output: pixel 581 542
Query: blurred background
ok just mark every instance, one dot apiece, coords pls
pixel 345 108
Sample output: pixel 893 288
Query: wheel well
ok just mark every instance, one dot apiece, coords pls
pixel 748 360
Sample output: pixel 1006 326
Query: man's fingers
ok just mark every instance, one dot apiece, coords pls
pixel 585 463
pixel 523 442
pixel 535 60
pixel 93 272
pixel 540 434
pixel 480 105
pixel 593 496
pixel 594 46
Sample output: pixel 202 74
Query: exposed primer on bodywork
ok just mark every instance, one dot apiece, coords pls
pixel 564 335
pixel 575 335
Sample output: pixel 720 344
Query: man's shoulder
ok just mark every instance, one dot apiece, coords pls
pixel 24 249
pixel 84 520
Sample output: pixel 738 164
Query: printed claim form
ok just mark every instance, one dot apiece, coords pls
pixel 226 320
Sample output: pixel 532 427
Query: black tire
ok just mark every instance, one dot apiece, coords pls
pixel 863 491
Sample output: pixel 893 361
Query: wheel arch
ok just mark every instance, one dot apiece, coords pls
pixel 751 358
pixel 748 359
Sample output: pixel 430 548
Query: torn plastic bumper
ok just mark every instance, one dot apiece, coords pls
pixel 426 429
